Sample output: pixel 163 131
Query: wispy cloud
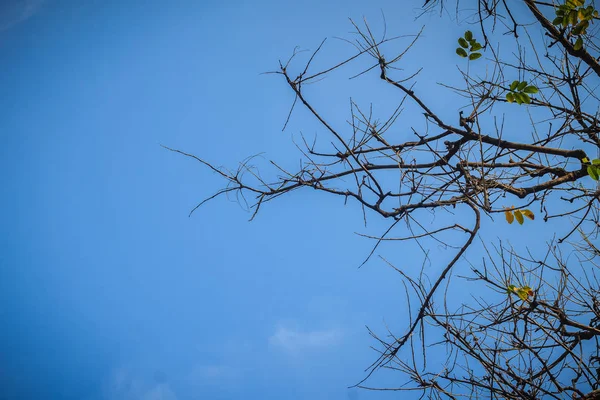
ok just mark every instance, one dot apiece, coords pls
pixel 293 340
pixel 13 12
pixel 125 384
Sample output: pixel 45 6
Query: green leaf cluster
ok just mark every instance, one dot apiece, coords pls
pixel 573 14
pixel 593 168
pixel 523 292
pixel 469 47
pixel 519 92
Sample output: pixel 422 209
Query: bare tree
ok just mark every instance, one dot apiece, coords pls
pixel 531 327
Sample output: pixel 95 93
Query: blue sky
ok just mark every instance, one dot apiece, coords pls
pixel 108 290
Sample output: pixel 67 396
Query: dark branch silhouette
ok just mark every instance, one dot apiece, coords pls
pixel 531 327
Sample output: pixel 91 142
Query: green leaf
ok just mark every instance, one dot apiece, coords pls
pixel 518 98
pixel 469 35
pixel 522 293
pixel 592 171
pixel 525 97
pixel 596 161
pixel 476 46
pixel 581 28
pixel 573 17
pixel 461 52
pixel 463 43
pixel 521 86
pixel 519 217
pixel 578 44
pixel 531 89
pixel 510 97
pixel 514 85
pixel 474 56
pixel 557 20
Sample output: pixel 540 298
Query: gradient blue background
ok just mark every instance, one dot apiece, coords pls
pixel 107 289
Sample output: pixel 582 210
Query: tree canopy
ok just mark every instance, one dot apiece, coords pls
pixel 516 143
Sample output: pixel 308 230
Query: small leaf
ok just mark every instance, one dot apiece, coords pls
pixel 578 30
pixel 461 52
pixel 510 97
pixel 513 86
pixel 578 44
pixel 528 214
pixel 509 216
pixel 511 289
pixel 592 171
pixel 519 217
pixel 557 20
pixel 522 293
pixel 531 89
pixel 525 97
pixel 573 17
pixel 518 98
pixel 469 35
pixel 521 86
pixel 474 56
pixel 596 161
pixel 463 43
pixel 476 46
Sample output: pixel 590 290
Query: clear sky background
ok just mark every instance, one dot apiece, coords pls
pixel 108 290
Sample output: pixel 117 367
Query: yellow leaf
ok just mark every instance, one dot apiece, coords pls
pixel 528 214
pixel 519 217
pixel 509 216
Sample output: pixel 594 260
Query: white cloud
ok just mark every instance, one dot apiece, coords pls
pixel 293 340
